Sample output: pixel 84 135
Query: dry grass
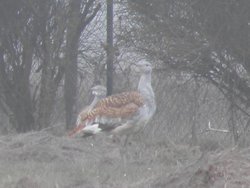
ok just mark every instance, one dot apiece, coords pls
pixel 41 159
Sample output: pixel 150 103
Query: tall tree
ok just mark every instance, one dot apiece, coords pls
pixel 110 48
pixel 81 13
pixel 51 29
pixel 37 47
pixel 207 39
pixel 17 37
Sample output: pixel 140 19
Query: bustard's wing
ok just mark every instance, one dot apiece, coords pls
pixel 82 115
pixel 112 109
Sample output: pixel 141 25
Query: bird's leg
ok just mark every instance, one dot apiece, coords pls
pixel 124 157
pixel 124 152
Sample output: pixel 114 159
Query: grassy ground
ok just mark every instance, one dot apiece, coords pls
pixel 42 159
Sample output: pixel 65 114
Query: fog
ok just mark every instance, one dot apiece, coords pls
pixel 53 52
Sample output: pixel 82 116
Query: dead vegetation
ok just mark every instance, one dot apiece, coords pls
pixel 43 159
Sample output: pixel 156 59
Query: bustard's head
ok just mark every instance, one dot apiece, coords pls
pixel 144 67
pixel 99 91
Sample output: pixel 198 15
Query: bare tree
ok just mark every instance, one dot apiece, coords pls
pixel 18 35
pixel 110 50
pixel 37 49
pixel 81 13
pixel 209 40
pixel 51 40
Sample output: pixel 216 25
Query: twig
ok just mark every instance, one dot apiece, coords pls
pixel 216 130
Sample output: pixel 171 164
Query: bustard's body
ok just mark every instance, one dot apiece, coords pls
pixel 125 112
pixel 145 112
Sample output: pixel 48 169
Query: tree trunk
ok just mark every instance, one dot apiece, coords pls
pixel 78 20
pixel 110 48
pixel 17 90
pixel 23 109
pixel 70 84
pixel 23 115
pixel 47 98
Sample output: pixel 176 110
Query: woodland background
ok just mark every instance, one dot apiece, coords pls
pixel 53 51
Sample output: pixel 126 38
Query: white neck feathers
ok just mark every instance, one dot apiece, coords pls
pixel 96 99
pixel 145 87
pixel 146 90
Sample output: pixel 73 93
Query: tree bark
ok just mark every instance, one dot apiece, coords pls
pixel 16 90
pixel 70 83
pixel 47 98
pixel 76 24
pixel 110 53
pixel 48 86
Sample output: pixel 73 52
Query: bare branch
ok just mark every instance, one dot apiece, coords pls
pixel 86 20
pixel 216 130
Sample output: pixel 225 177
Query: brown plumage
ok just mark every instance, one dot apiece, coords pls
pixel 83 114
pixel 115 107
pixel 123 113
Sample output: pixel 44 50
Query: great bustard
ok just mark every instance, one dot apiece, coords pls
pixel 99 92
pixel 126 112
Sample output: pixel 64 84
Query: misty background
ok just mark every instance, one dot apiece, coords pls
pixel 53 51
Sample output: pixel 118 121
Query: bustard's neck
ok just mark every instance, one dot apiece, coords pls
pixel 146 90
pixel 145 81
pixel 145 87
pixel 96 99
